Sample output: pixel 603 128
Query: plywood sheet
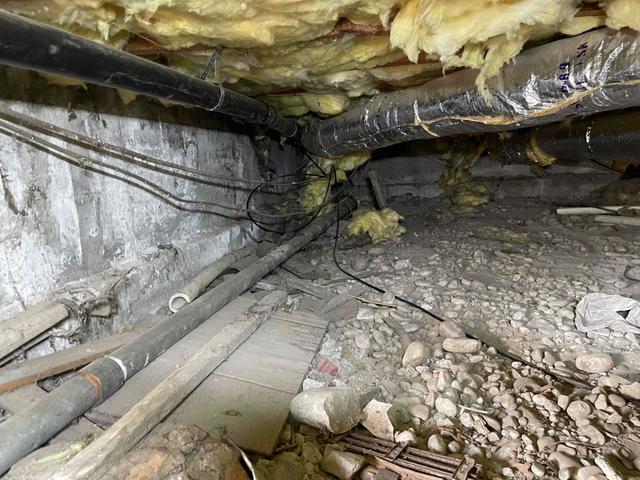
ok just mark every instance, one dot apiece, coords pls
pixel 249 394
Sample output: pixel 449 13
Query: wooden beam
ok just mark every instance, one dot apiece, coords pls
pixel 110 447
pixel 30 371
pixel 18 330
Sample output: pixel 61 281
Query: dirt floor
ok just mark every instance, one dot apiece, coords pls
pixel 512 275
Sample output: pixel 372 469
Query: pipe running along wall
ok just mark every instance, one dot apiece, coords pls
pixel 22 433
pixel 593 72
pixel 34 46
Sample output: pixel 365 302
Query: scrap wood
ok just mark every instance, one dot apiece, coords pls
pixel 31 371
pixel 29 324
pixel 114 443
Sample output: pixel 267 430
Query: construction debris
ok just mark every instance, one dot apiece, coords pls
pixel 336 410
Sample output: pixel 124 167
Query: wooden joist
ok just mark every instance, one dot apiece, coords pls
pixel 30 371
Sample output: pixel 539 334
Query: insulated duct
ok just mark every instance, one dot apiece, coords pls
pixel 606 138
pixel 34 46
pixel 593 72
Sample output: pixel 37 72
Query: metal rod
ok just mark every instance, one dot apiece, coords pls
pixel 32 427
pixel 34 46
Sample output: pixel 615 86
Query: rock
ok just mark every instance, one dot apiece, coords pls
pixel 342 465
pixel 359 264
pixel 334 409
pixel 450 330
pixel 578 410
pixel 419 411
pixel 526 384
pixel 446 406
pixel 538 469
pixel 436 444
pixel 414 354
pixel 632 390
pixel 460 345
pixel 594 362
pixel 311 453
pixel 362 341
pixel 407 436
pixel 375 418
pixel 594 435
pixel 369 473
pixel 564 461
pixel 589 473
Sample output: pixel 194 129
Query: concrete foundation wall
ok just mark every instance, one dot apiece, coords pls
pixel 66 229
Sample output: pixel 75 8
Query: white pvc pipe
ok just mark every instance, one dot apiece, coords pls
pixel 618 220
pixel 197 284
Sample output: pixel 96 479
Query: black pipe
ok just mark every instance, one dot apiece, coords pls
pixel 34 46
pixel 30 428
pixel 606 138
pixel 594 72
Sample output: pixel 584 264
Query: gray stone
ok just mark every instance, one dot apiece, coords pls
pixel 460 345
pixel 342 465
pixel 419 411
pixel 594 362
pixel 376 420
pixel 446 407
pixel 436 443
pixel 450 330
pixel 414 354
pixel 334 409
pixel 578 410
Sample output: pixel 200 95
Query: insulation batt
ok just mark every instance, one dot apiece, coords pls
pixel 380 225
pixel 275 46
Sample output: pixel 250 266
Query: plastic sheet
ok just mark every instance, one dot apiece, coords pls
pixel 593 72
pixel 599 311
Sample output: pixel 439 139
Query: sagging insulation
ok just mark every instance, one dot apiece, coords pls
pixel 380 225
pixel 326 172
pixel 316 56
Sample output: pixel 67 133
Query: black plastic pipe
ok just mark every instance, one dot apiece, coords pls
pixel 33 46
pixel 594 72
pixel 30 428
pixel 606 138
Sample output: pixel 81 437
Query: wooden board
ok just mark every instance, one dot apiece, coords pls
pixel 30 371
pixel 249 394
pixel 113 408
pixel 110 447
pixel 18 330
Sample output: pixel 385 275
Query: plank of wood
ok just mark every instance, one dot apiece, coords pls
pixel 618 220
pixel 114 407
pixel 18 330
pixel 30 371
pixel 250 393
pixel 102 454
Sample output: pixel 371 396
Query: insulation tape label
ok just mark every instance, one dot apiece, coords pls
pixel 121 365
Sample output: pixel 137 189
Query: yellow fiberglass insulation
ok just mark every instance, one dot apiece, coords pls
pixel 623 13
pixel 183 23
pixel 481 34
pixel 380 225
pixel 333 170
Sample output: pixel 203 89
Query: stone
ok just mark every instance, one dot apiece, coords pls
pixel 595 436
pixel 406 436
pixel 589 473
pixel 594 362
pixel 460 345
pixel 336 409
pixel 369 473
pixel 450 330
pixel 342 465
pixel 538 469
pixel 578 410
pixel 419 411
pixel 526 384
pixel 446 406
pixel 362 341
pixel 436 444
pixel 375 418
pixel 632 390
pixel 414 354
pixel 311 453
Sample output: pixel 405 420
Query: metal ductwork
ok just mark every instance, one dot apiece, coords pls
pixel 594 72
pixel 34 46
pixel 605 138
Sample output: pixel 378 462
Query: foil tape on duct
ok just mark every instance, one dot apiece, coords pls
pixel 594 72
